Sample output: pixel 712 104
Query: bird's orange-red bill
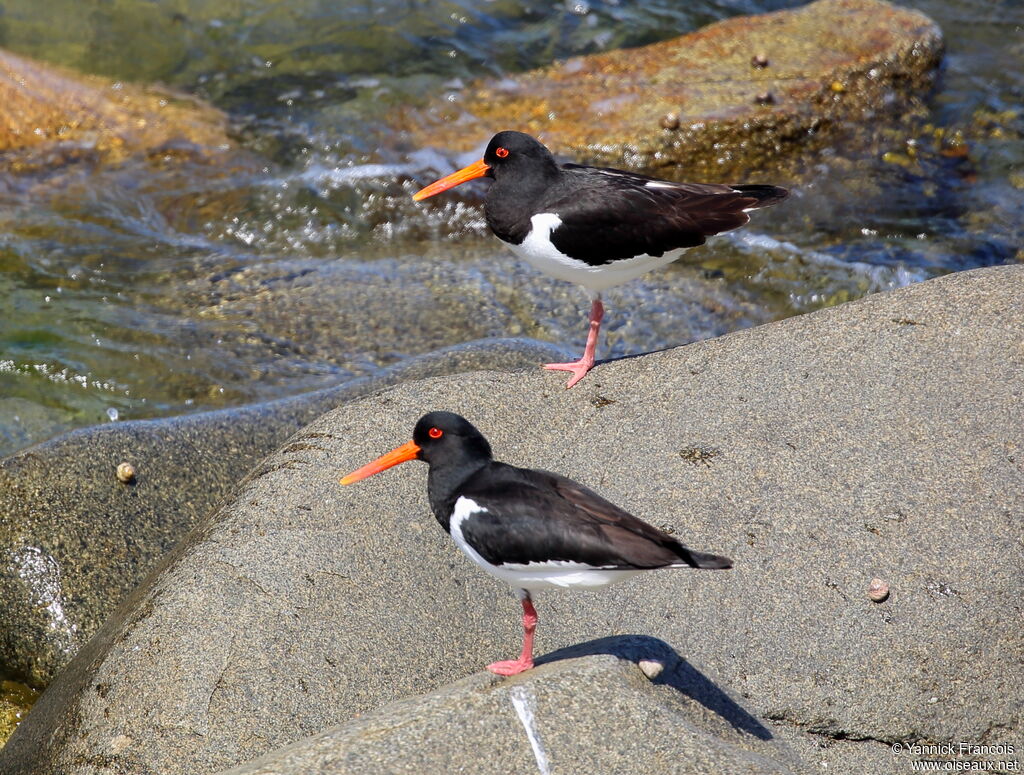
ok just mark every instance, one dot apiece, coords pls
pixel 475 170
pixel 408 451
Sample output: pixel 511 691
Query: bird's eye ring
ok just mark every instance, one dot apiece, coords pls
pixel 501 153
pixel 435 433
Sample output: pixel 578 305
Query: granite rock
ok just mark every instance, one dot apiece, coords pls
pixel 45 106
pixel 76 540
pixel 592 714
pixel 880 438
pixel 701 103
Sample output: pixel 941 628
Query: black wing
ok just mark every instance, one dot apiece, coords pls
pixel 538 516
pixel 611 214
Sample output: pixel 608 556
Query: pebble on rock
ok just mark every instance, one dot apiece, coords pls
pixel 125 473
pixel 878 590
pixel 759 61
pixel 670 121
pixel 119 744
pixel 650 668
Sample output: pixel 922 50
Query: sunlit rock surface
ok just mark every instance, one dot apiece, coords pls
pixel 877 439
pixel 739 95
pixel 597 714
pixel 44 106
pixel 75 540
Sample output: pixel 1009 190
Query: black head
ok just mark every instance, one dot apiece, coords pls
pixel 507 152
pixel 445 438
pixel 510 150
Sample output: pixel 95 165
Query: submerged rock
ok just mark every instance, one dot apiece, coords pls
pixel 15 701
pixel 704 102
pixel 76 539
pixel 341 311
pixel 878 438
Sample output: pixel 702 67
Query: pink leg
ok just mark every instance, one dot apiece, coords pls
pixel 586 362
pixel 525 661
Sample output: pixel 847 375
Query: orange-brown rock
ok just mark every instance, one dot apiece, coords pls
pixel 42 105
pixel 733 97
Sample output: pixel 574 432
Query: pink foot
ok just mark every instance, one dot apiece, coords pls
pixel 511 666
pixel 578 369
pixel 525 661
pixel 586 362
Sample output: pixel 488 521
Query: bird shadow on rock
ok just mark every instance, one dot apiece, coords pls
pixel 644 354
pixel 677 674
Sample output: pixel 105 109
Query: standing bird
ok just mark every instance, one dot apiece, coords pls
pixel 594 226
pixel 532 529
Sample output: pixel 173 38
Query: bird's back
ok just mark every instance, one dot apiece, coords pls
pixel 531 516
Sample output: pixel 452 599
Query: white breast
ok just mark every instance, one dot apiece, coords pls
pixel 535 575
pixel 540 252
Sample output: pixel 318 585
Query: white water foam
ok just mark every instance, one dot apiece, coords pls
pixel 425 160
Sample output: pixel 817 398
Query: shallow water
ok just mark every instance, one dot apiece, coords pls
pixel 145 291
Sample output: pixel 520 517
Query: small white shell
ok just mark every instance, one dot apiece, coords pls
pixel 125 473
pixel 878 590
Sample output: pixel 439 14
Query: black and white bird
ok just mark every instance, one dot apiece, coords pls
pixel 594 226
pixel 532 529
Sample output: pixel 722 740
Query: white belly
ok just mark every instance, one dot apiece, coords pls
pixel 533 576
pixel 538 576
pixel 539 252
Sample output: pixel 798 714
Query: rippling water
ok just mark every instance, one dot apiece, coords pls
pixel 150 290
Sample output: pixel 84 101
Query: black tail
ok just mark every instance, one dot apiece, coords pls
pixel 765 196
pixel 703 560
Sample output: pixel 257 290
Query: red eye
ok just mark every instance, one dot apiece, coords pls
pixel 501 153
pixel 435 433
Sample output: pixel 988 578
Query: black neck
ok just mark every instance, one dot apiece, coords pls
pixel 514 198
pixel 444 482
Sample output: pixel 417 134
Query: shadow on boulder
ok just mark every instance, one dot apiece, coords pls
pixel 677 673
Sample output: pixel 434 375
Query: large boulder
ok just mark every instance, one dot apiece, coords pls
pixel 75 539
pixel 596 714
pixel 739 95
pixel 876 439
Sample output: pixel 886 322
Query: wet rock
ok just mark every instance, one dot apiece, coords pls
pixel 593 714
pixel 15 701
pixel 34 422
pixel 301 604
pixel 76 539
pixel 46 107
pixel 608 108
pixel 332 311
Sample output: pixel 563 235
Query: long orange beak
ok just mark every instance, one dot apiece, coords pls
pixel 475 170
pixel 408 451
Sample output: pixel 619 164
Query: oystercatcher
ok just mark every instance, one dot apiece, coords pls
pixel 532 529
pixel 594 226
